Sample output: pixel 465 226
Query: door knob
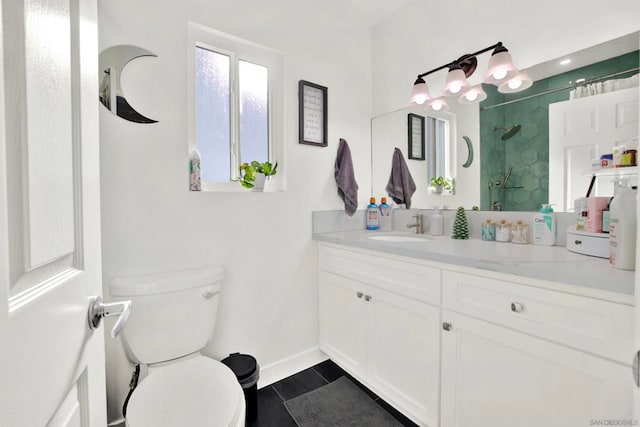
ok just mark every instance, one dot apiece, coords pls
pixel 98 310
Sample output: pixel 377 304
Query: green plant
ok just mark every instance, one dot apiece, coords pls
pixel 248 172
pixel 438 181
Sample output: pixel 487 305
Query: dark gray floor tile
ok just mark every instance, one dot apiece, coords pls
pixel 298 384
pixel 271 410
pixel 395 414
pixel 329 370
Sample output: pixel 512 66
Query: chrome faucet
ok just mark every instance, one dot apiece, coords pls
pixel 417 225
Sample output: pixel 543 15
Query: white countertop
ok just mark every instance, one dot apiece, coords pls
pixel 549 263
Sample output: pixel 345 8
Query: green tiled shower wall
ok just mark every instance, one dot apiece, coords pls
pixel 528 150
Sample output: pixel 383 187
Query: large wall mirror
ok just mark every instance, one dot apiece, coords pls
pixel 531 147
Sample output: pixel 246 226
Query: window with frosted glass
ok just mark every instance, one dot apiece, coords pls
pixel 254 118
pixel 213 114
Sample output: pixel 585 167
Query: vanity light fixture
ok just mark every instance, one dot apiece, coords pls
pixel 500 71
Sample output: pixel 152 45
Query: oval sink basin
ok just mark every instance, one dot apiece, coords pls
pixel 399 238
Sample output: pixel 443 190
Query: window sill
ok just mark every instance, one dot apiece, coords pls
pixel 236 187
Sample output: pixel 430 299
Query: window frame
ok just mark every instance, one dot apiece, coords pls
pixel 447 147
pixel 199 36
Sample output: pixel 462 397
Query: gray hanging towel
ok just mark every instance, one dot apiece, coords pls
pixel 401 185
pixel 345 178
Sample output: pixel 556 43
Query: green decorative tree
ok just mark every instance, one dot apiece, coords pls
pixel 460 225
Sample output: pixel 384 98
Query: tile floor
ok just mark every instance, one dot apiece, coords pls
pixel 271 410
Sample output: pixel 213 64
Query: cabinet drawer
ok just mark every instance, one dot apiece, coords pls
pixel 599 327
pixel 409 279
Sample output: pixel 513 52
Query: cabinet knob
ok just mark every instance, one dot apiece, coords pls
pixel 516 307
pixel 367 297
pixel 447 326
pixel 359 294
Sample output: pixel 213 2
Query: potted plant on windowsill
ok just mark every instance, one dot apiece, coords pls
pixel 255 174
pixel 439 183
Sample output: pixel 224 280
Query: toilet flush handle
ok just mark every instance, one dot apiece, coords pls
pixel 98 310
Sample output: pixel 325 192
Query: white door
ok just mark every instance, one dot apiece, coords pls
pixel 496 377
pixel 581 130
pixel 342 322
pixel 51 363
pixel 403 353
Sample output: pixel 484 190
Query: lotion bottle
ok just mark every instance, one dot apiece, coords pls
pixel 373 215
pixel 544 226
pixel 622 227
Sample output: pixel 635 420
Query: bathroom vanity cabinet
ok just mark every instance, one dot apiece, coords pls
pixel 380 320
pixel 455 346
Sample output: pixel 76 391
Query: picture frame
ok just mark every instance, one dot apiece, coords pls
pixel 416 136
pixel 312 114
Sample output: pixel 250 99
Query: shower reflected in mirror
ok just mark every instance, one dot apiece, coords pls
pixel 508 132
pixel 111 64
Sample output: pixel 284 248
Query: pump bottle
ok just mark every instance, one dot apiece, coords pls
pixel 622 227
pixel 544 226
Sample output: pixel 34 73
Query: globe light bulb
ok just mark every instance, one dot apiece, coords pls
pixel 472 96
pixel 437 106
pixel 514 84
pixel 420 99
pixel 500 74
pixel 455 88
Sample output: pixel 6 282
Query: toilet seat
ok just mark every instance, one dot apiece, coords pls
pixel 196 392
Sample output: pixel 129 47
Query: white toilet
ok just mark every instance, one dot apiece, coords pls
pixel 173 316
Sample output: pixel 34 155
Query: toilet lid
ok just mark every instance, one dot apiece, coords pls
pixel 197 392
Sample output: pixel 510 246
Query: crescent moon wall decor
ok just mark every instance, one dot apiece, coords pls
pixel 111 63
pixel 470 149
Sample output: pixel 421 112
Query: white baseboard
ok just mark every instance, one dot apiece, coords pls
pixel 284 368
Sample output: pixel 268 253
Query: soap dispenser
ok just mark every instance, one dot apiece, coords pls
pixel 437 222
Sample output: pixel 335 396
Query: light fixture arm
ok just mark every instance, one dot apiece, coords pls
pixel 461 59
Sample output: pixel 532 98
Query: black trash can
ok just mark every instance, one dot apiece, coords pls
pixel 247 371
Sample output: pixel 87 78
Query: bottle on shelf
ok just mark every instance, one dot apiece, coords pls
pixel 195 183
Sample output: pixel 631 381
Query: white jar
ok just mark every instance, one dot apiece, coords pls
pixel 437 223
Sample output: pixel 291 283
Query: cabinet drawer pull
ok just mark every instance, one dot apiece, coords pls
pixel 447 326
pixel 360 294
pixel 516 307
pixel 367 297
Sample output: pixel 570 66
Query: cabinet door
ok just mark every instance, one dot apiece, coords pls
pixel 496 377
pixel 403 353
pixel 342 322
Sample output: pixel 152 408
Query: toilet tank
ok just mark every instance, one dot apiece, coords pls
pixel 172 313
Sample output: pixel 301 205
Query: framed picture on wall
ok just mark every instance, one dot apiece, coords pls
pixel 416 136
pixel 312 114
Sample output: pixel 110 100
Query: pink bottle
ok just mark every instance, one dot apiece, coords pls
pixel 595 206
